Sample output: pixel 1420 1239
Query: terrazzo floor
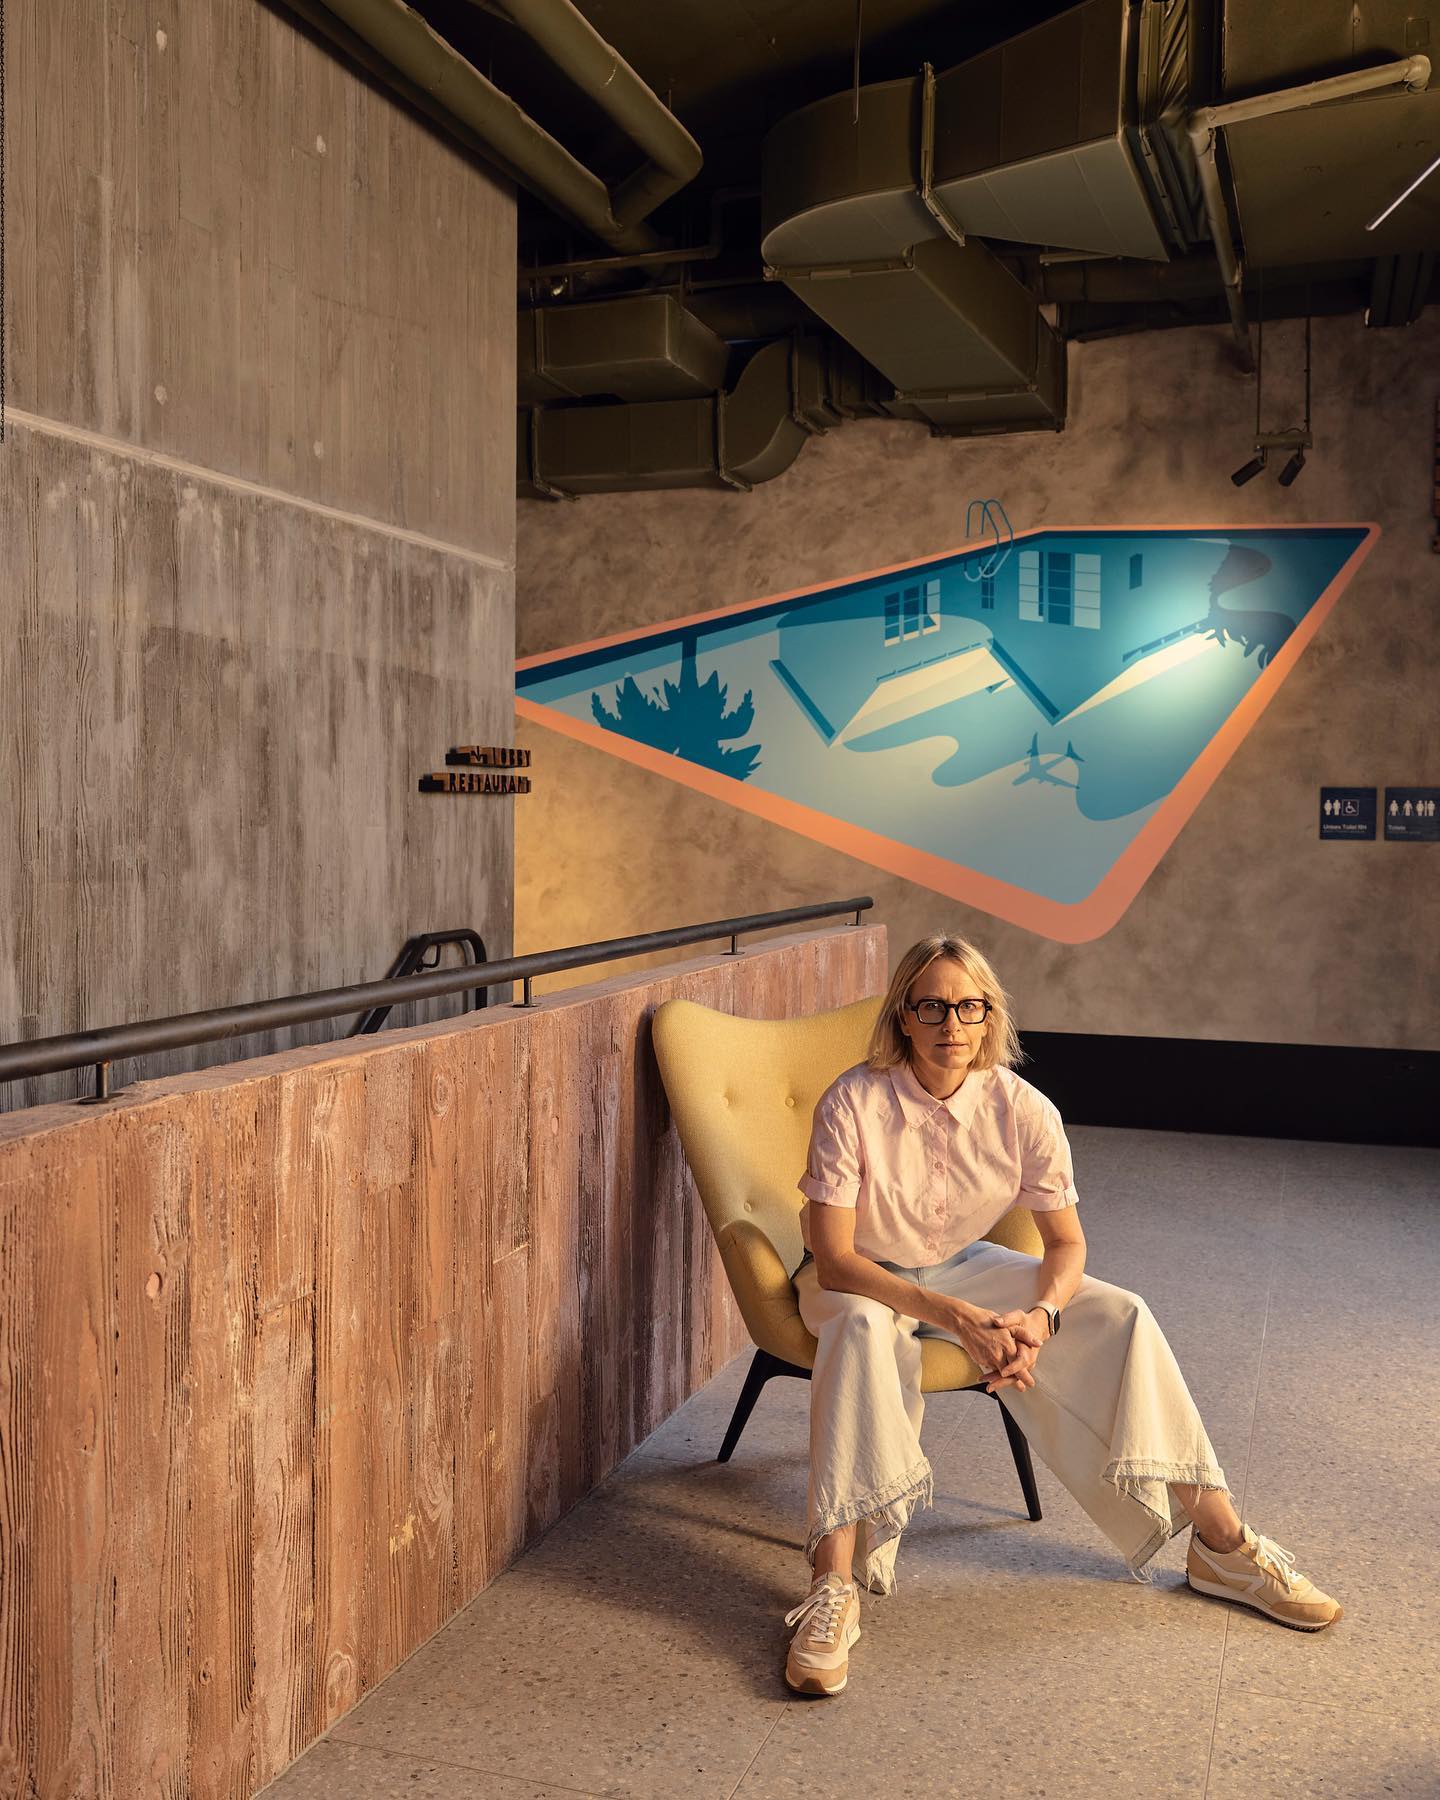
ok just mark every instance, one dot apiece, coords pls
pixel 638 1648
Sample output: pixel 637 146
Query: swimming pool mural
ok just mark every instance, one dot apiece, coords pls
pixel 1025 731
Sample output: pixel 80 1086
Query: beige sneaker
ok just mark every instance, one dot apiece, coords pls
pixel 829 1623
pixel 1262 1575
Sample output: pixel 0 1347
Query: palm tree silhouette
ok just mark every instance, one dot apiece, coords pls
pixel 690 721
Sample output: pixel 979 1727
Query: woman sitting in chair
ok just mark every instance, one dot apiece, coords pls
pixel 914 1154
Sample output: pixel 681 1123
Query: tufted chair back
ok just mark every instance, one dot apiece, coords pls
pixel 742 1092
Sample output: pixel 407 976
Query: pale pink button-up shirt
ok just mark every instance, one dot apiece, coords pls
pixel 927 1177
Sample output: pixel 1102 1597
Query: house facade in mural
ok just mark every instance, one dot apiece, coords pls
pixel 1025 731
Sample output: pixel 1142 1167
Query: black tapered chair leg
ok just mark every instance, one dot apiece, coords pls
pixel 761 1369
pixel 1024 1468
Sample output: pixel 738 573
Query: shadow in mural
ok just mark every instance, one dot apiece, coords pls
pixel 690 721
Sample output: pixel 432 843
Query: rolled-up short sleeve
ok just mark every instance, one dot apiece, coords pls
pixel 832 1169
pixel 1047 1172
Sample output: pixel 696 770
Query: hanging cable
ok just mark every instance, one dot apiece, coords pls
pixel 855 108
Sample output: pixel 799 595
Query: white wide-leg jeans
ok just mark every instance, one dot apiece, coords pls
pixel 1109 1415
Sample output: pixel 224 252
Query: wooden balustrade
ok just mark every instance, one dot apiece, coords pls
pixel 296 1355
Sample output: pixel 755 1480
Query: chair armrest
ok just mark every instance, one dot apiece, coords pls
pixel 766 1294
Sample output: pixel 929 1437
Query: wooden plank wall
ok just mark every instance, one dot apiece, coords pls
pixel 257 515
pixel 296 1355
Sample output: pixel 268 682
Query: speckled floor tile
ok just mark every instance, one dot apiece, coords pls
pixel 990 1715
pixel 1267 1745
pixel 650 1686
pixel 1344 1535
pixel 977 1544
pixel 1363 1168
pixel 629 1652
pixel 331 1770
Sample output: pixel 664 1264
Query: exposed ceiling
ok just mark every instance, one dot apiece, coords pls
pixel 728 70
pixel 1040 187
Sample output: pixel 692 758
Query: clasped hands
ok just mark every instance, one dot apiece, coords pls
pixel 1028 1331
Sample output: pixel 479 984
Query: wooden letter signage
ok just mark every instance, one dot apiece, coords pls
pixel 483 769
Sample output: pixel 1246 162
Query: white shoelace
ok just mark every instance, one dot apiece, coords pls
pixel 820 1612
pixel 1280 1563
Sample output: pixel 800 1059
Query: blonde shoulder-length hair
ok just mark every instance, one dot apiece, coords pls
pixel 1000 1045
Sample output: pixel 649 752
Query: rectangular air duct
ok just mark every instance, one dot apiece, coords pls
pixel 641 347
pixel 1054 136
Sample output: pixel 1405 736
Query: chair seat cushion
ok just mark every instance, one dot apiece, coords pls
pixel 945 1366
pixel 772 1315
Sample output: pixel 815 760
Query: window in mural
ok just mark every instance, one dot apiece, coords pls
pixel 1060 587
pixel 909 615
pixel 1038 774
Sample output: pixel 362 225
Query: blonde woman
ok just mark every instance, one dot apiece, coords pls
pixel 914 1155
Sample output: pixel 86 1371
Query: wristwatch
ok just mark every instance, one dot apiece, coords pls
pixel 1052 1315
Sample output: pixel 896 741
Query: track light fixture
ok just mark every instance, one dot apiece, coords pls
pixel 1297 439
pixel 1251 469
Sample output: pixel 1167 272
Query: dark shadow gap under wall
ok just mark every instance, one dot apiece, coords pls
pixel 1326 1092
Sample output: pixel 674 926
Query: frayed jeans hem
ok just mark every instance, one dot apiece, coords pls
pixel 886 1511
pixel 1131 1477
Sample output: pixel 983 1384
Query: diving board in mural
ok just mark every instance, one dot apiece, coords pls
pixel 1025 732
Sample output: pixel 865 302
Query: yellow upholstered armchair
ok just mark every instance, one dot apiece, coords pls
pixel 742 1092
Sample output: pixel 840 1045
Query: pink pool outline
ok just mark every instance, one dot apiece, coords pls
pixel 1066 922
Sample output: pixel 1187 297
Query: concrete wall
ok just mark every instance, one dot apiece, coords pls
pixel 257 503
pixel 1249 928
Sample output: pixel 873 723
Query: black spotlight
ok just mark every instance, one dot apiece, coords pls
pixel 1252 469
pixel 1292 468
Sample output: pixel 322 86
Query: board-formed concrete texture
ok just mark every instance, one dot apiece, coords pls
pixel 256 498
pixel 900 715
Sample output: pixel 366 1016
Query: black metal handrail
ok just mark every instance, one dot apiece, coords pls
pixel 76 1049
pixel 412 957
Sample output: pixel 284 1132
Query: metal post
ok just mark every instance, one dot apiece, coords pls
pixel 102 1086
pixel 525 985
pixel 734 949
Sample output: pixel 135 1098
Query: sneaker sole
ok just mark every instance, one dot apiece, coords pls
pixel 813 1682
pixel 1224 1593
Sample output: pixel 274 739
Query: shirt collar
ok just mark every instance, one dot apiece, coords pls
pixel 918 1104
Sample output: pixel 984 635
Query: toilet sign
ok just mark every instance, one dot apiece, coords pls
pixel 1411 814
pixel 1347 812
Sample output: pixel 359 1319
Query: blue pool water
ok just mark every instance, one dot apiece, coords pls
pixel 1023 720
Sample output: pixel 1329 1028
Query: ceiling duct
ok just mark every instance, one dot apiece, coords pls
pixel 640 347
pixel 1070 134
pixel 788 392
pixel 849 225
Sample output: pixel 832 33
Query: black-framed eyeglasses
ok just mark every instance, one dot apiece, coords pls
pixel 935 1012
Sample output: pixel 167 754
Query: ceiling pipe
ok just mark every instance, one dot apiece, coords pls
pixel 394 42
pixel 529 275
pixel 572 43
pixel 1411 72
